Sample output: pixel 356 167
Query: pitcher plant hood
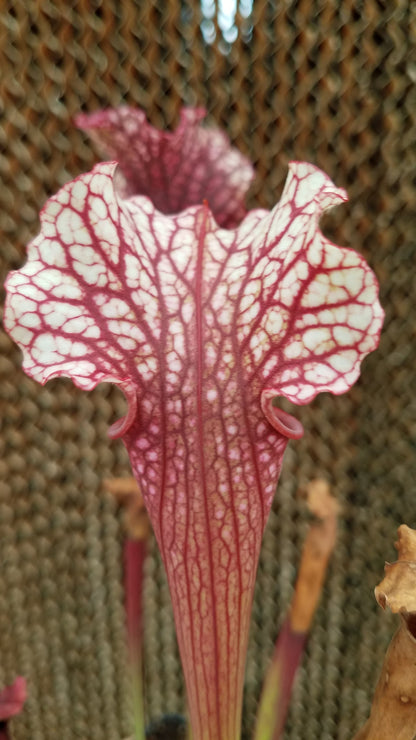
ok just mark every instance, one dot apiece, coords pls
pixel 175 169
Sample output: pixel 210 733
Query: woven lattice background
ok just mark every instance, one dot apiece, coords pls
pixel 326 81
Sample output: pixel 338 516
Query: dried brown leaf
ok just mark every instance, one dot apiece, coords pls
pixel 393 713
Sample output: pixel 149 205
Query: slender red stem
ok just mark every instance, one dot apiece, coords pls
pixel 134 557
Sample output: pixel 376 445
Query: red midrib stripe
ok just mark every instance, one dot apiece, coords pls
pixel 200 420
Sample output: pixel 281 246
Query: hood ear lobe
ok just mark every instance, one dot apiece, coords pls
pixel 120 427
pixel 282 421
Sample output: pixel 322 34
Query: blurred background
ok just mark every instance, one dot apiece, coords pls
pixel 319 80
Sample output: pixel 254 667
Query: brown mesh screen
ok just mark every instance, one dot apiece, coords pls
pixel 329 82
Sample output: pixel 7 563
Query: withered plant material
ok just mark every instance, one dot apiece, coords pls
pixel 393 713
pixel 317 549
pixel 127 493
